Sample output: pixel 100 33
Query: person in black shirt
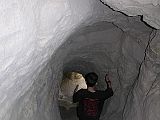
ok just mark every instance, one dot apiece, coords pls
pixel 90 101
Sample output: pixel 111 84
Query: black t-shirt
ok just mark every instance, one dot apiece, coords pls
pixel 90 103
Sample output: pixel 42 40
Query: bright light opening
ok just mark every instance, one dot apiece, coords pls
pixel 69 83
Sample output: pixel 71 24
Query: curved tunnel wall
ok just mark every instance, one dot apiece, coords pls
pixel 38 45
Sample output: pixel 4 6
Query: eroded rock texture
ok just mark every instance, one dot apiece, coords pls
pixel 149 9
pixel 42 39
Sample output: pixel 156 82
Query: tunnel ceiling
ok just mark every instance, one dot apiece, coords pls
pixel 97 43
pixel 41 39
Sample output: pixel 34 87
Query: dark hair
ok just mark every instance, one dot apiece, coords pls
pixel 91 79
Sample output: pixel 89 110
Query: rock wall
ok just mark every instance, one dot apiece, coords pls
pixel 41 39
pixel 149 9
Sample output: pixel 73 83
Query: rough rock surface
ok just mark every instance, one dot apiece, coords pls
pixel 41 39
pixel 149 9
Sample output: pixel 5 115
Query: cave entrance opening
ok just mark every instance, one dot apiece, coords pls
pixel 69 81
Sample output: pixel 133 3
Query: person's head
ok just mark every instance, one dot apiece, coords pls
pixel 91 79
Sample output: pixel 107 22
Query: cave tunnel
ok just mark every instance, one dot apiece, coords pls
pixel 43 40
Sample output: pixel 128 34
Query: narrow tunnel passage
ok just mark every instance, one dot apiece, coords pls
pixel 42 40
pixel 103 47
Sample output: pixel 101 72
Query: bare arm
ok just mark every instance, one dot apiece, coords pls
pixel 76 95
pixel 108 82
pixel 108 91
pixel 75 90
